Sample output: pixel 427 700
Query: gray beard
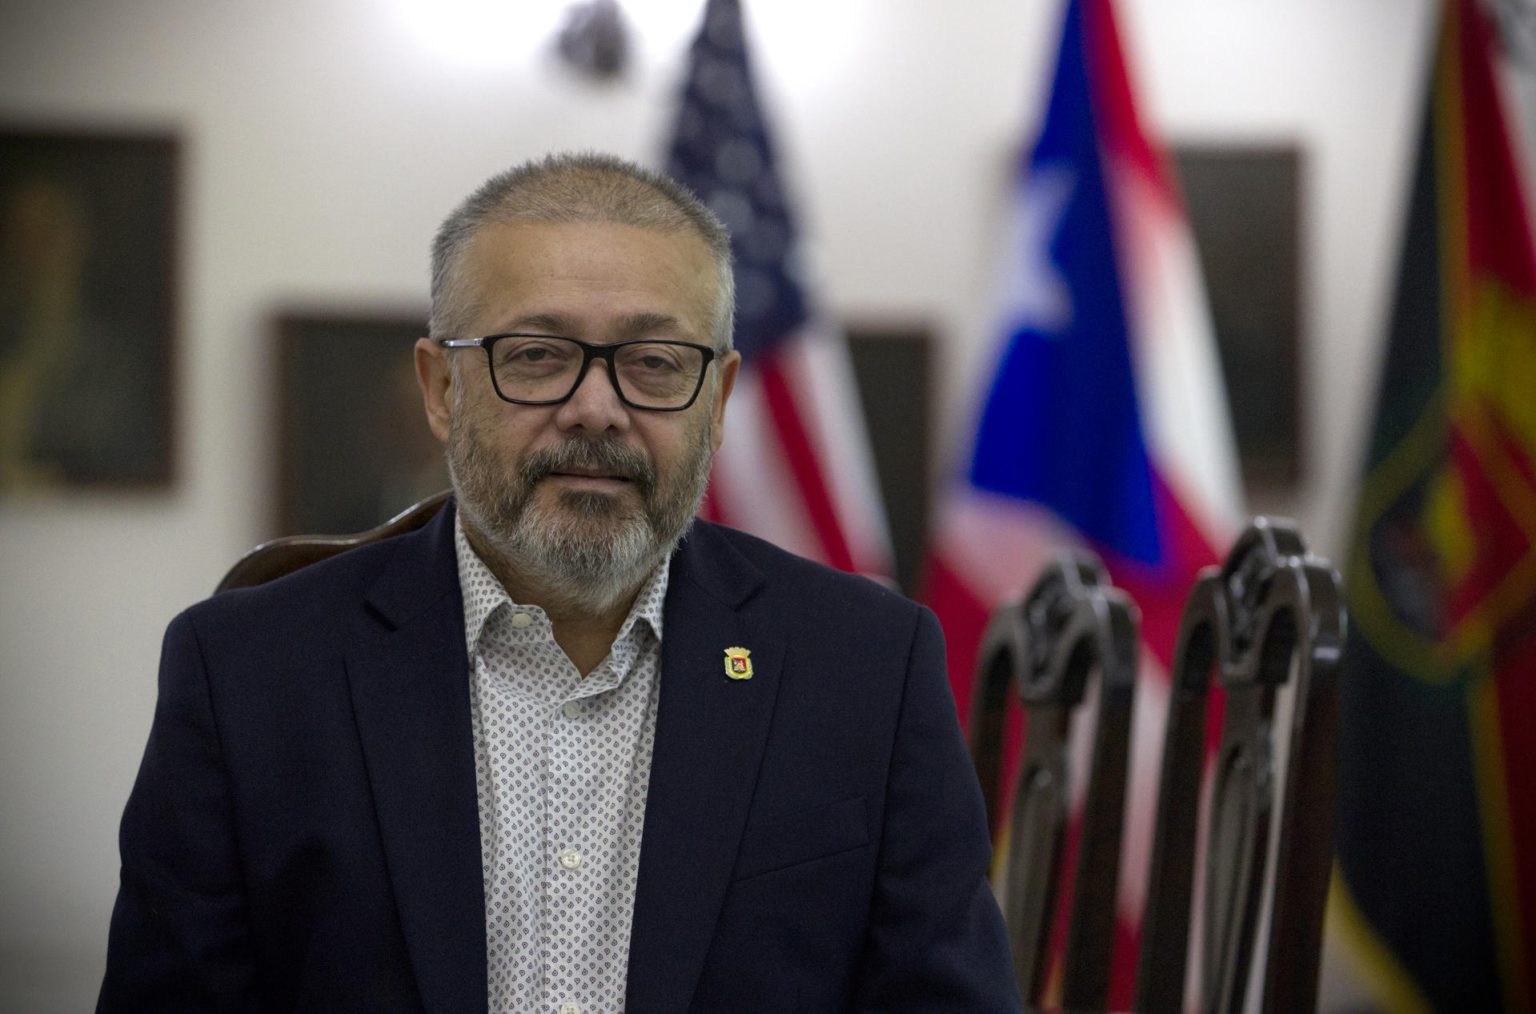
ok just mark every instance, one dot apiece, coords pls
pixel 586 551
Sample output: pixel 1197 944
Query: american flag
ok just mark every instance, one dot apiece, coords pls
pixel 795 467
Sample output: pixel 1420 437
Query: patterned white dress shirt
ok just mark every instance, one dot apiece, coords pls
pixel 562 766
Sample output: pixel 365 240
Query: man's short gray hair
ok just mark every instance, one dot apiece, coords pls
pixel 584 187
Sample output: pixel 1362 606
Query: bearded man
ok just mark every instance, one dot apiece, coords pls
pixel 565 748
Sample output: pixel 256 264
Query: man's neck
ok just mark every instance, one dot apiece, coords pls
pixel 586 636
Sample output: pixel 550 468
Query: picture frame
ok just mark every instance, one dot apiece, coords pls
pixel 892 366
pixel 88 308
pixel 354 448
pixel 1243 201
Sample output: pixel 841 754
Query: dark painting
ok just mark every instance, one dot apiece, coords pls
pixel 1243 210
pixel 354 444
pixel 890 366
pixel 87 311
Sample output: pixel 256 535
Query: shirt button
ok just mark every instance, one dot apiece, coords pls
pixel 521 620
pixel 570 1008
pixel 570 858
pixel 571 709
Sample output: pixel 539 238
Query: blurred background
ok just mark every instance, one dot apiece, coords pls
pixel 278 169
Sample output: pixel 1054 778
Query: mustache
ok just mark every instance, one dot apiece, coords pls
pixel 604 455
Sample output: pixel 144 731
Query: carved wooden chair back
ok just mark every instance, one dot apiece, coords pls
pixel 1272 616
pixel 272 560
pixel 1043 647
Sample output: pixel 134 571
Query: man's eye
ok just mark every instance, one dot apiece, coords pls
pixel 656 359
pixel 656 363
pixel 532 354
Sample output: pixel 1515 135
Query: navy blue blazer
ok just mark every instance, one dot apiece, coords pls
pixel 303 833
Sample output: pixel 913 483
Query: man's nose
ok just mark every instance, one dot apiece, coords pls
pixel 595 404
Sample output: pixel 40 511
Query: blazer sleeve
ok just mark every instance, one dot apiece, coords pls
pixel 936 939
pixel 179 937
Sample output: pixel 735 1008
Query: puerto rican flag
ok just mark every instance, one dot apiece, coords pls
pixel 795 467
pixel 1103 422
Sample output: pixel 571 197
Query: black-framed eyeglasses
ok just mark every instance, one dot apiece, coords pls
pixel 545 369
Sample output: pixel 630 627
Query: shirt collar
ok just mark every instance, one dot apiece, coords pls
pixel 484 594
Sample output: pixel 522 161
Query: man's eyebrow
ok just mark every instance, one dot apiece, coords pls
pixel 632 326
pixel 539 323
pixel 644 325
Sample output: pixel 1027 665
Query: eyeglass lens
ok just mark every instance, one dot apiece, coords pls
pixel 648 374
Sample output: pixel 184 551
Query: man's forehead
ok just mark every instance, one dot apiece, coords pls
pixel 512 266
pixel 503 237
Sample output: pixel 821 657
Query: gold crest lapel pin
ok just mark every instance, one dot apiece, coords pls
pixel 738 663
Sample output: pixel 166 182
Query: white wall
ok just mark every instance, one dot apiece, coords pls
pixel 325 138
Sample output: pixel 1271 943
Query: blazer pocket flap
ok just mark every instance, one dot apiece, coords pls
pixel 812 834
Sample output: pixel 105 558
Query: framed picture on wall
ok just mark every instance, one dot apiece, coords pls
pixel 87 308
pixel 353 444
pixel 1243 202
pixel 891 367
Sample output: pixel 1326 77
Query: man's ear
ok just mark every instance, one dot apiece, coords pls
pixel 436 382
pixel 730 363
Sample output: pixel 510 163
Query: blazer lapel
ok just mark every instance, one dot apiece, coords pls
pixel 710 731
pixel 410 693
